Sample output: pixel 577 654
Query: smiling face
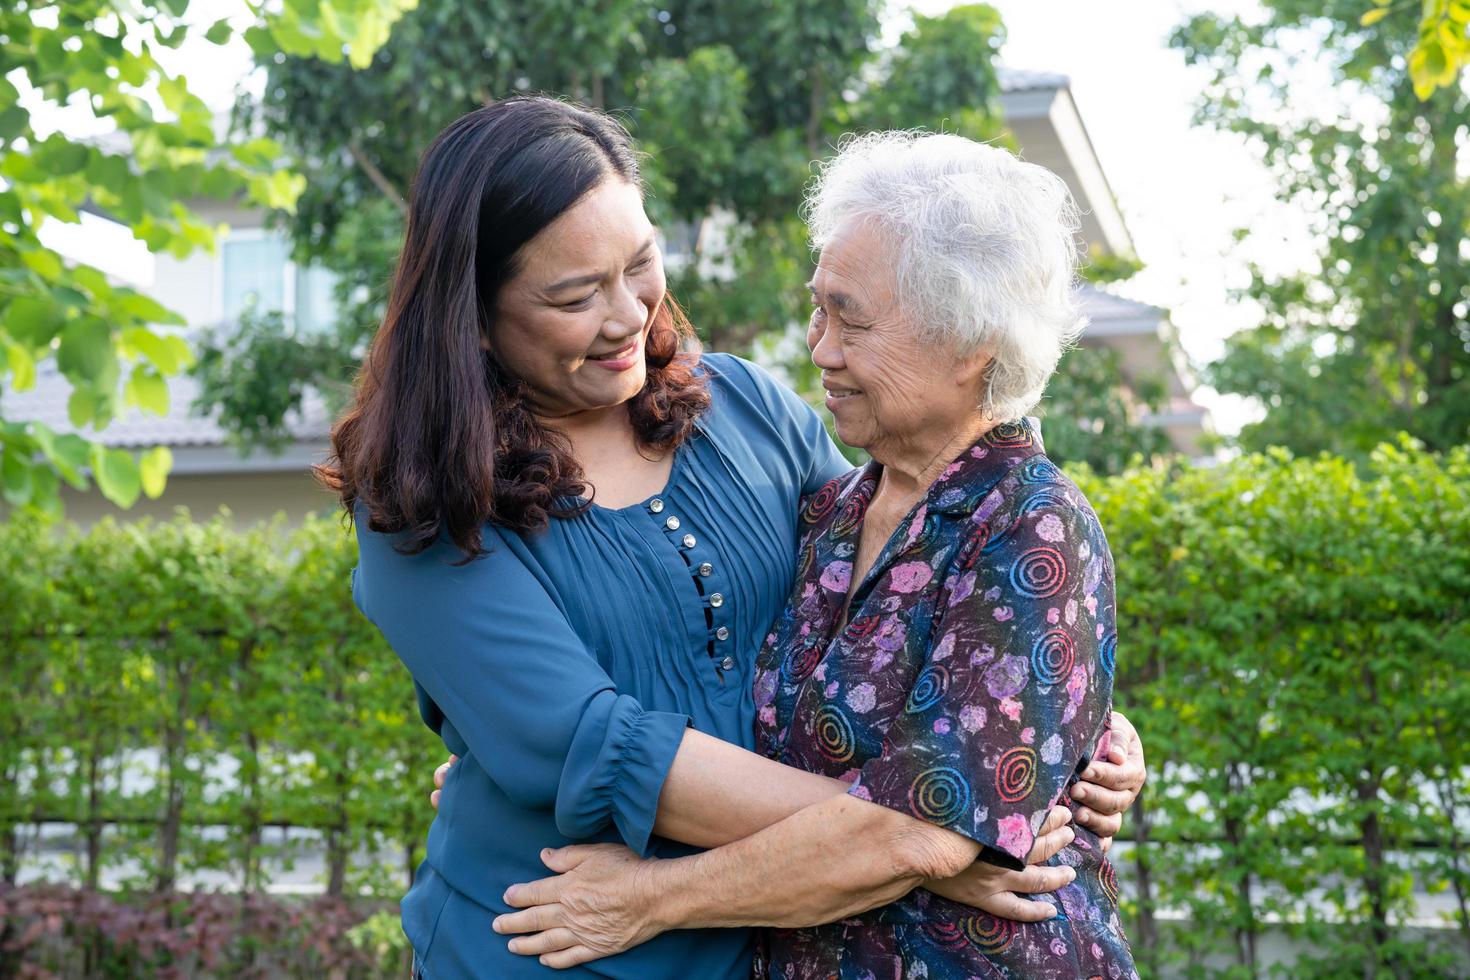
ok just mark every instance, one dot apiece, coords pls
pixel 890 391
pixel 574 320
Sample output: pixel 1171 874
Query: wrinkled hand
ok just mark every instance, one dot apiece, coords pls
pixel 599 903
pixel 440 775
pixel 1109 786
pixel 994 889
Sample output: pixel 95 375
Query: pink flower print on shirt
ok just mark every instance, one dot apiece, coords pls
pixel 910 577
pixel 837 577
pixel 1015 834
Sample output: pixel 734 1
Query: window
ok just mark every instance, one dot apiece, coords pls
pixel 257 271
pixel 254 275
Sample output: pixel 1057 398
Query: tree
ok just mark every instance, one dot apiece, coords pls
pixel 1442 47
pixel 113 344
pixel 1375 339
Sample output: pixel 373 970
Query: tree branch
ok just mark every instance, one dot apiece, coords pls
pixel 376 176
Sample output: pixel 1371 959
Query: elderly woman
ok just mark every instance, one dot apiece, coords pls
pixel 947 649
pixel 575 530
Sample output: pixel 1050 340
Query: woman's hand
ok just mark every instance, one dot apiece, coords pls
pixel 1109 786
pixel 440 775
pixel 599 903
pixel 994 889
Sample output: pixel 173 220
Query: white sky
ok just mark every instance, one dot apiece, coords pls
pixel 1182 190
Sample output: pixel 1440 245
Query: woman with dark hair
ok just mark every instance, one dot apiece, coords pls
pixel 575 530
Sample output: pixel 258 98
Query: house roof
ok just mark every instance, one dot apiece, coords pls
pixel 182 428
pixel 135 429
pixel 1024 80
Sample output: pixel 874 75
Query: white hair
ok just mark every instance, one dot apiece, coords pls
pixel 985 246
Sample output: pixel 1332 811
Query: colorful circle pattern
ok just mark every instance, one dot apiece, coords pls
pixel 834 734
pixel 1053 656
pixel 1039 573
pixel 989 934
pixel 1015 774
pixel 940 795
pixel 928 689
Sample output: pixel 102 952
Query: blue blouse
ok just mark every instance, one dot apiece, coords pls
pixel 564 666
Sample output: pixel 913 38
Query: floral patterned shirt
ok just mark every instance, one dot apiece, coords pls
pixel 968 688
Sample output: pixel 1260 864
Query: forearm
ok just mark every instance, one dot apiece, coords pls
pixel 716 793
pixel 831 860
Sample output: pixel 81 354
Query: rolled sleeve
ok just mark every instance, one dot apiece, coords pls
pixel 497 662
pixel 1015 690
pixel 617 773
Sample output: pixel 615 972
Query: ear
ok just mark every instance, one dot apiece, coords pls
pixel 973 369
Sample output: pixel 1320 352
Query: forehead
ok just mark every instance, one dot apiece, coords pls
pixel 607 225
pixel 856 264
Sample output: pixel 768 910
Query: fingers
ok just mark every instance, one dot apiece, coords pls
pixel 544 891
pixel 550 941
pixel 1058 816
pixel 1106 844
pixel 535 919
pixel 440 774
pixel 1103 825
pixel 563 859
pixel 434 799
pixel 1105 801
pixel 1039 879
pixel 1048 845
pixel 575 956
pixel 1007 905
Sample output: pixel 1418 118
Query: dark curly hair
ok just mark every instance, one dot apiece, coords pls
pixel 440 437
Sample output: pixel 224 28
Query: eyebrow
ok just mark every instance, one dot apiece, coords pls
pixel 592 277
pixel 842 301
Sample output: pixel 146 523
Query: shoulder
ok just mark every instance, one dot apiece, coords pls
pixel 730 372
pixel 1038 506
pixel 750 397
pixel 386 573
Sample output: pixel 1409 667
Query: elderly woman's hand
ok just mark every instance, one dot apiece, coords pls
pixel 1109 786
pixel 440 775
pixel 599 903
pixel 998 891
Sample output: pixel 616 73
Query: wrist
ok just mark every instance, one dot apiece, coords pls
pixel 657 895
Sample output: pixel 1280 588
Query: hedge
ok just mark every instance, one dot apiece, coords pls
pixel 1295 644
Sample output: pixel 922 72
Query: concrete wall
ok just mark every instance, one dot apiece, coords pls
pixel 250 497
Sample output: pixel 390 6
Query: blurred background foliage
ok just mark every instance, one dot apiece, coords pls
pixel 1295 636
pixel 114 344
pixel 731 102
pixel 1373 338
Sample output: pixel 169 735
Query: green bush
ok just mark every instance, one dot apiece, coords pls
pixel 230 674
pixel 1295 649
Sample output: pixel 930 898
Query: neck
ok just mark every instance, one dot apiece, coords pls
pixel 910 471
pixel 593 424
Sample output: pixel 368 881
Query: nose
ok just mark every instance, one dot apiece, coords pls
pixel 627 315
pixel 826 350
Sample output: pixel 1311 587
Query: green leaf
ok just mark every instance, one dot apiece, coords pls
pixel 117 475
pixel 46 263
pixel 1373 16
pixel 61 157
pixel 219 32
pixel 147 309
pixel 150 345
pixel 22 366
pixel 86 354
pixel 15 477
pixel 154 467
pixel 147 389
pixel 84 407
pixel 13 122
pixel 32 320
